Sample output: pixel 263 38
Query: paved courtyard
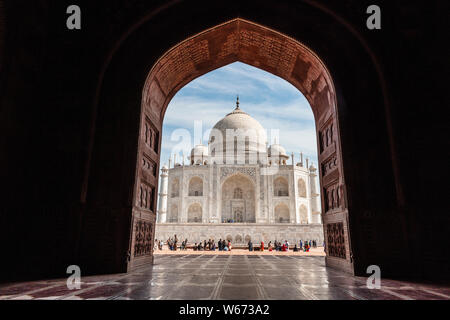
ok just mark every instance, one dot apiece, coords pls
pixel 235 276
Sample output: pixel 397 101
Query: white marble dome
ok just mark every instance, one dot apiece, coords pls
pixel 242 126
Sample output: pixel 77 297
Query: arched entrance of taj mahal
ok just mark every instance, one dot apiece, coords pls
pixel 238 199
pixel 82 125
pixel 245 41
pixel 144 73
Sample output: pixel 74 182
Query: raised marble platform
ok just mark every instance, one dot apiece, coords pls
pixel 239 233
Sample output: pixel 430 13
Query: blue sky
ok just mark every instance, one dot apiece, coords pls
pixel 274 102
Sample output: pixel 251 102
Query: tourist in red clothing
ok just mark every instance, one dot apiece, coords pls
pixel 262 245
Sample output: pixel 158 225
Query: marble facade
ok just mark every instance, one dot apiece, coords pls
pixel 228 192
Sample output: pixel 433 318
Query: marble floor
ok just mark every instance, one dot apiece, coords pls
pixel 237 277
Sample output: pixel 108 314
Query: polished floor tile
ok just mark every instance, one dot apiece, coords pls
pixel 212 277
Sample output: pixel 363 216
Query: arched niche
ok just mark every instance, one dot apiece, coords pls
pixel 175 188
pixel 195 187
pixel 173 214
pixel 281 213
pixel 301 188
pixel 238 199
pixel 194 213
pixel 303 211
pixel 280 187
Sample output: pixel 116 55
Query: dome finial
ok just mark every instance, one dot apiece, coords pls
pixel 237 102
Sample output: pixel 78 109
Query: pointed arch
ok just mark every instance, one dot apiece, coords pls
pixel 301 188
pixel 280 187
pixel 195 187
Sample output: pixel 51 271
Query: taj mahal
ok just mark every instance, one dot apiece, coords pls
pixel 239 188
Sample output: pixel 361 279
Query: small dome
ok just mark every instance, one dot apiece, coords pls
pixel 276 150
pixel 164 167
pixel 199 150
pixel 312 168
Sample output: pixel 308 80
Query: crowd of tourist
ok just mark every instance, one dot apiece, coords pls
pixel 278 246
pixel 225 245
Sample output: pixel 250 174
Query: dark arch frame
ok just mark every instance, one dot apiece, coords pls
pixel 348 96
pixel 272 51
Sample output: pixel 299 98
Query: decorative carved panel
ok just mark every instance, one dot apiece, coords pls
pixel 329 165
pixel 149 165
pixel 227 171
pixel 146 197
pixel 151 135
pixel 142 238
pixel 326 136
pixel 333 197
pixel 336 240
pixel 179 62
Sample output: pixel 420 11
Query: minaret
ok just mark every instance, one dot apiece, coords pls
pixel 162 212
pixel 314 202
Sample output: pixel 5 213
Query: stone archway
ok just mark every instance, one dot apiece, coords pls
pixel 235 40
pixel 195 187
pixel 269 50
pixel 175 188
pixel 303 212
pixel 238 202
pixel 301 188
pixel 281 213
pixel 97 193
pixel 280 187
pixel 173 214
pixel 194 213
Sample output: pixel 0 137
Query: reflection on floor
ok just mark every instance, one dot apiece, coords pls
pixel 234 277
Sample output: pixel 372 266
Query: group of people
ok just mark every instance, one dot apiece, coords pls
pixel 278 246
pixel 222 245
pixel 171 244
pixel 225 245
pixel 305 246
